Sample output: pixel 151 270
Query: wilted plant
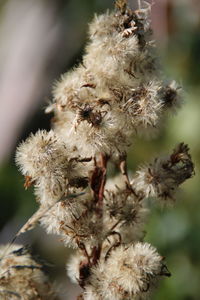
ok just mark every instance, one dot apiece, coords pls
pixel 116 93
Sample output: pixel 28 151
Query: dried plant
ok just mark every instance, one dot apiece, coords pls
pixel 23 277
pixel 116 93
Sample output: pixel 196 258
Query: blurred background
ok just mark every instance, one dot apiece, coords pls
pixel 40 39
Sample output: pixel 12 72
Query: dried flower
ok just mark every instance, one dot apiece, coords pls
pixel 129 271
pixel 117 92
pixel 49 164
pixel 22 277
pixel 162 178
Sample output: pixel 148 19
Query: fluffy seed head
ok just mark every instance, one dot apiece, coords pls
pixel 144 107
pixel 129 271
pixel 171 95
pixel 163 176
pixel 40 153
pixel 21 277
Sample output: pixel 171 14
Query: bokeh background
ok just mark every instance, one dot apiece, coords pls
pixel 40 39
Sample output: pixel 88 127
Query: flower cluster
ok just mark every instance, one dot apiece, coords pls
pixel 162 177
pixel 117 91
pixel 129 272
pixel 51 166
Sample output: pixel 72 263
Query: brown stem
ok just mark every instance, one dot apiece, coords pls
pixel 96 251
pixel 98 181
pixel 84 250
pixel 123 169
pixel 117 244
pixel 103 166
pixel 115 225
pixel 99 207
